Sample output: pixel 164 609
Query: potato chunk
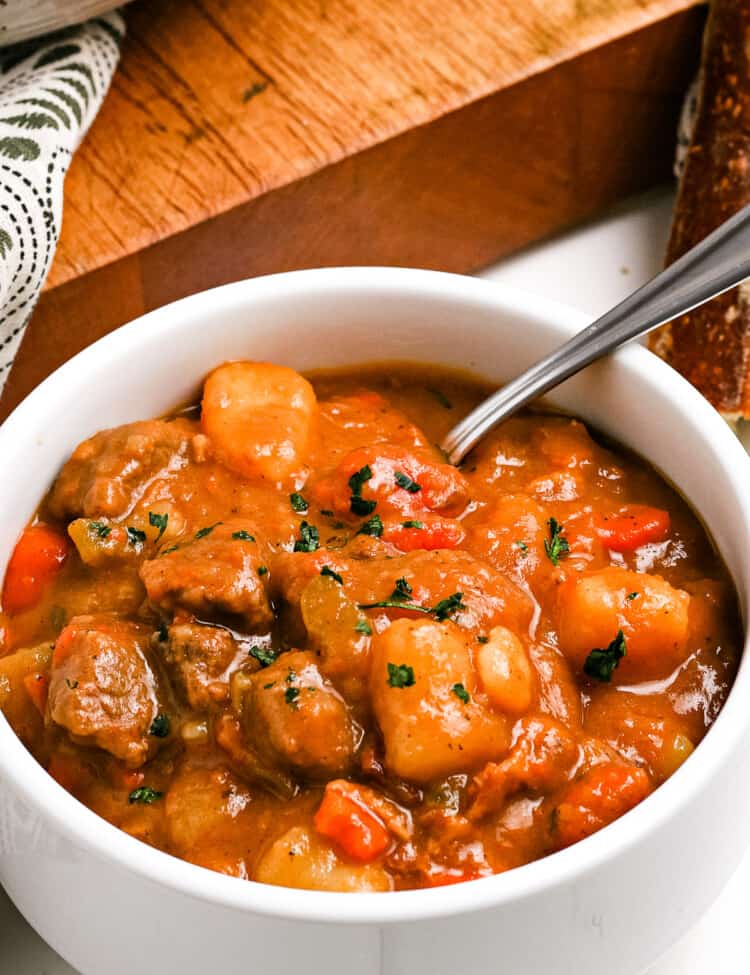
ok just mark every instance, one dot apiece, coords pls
pixel 652 615
pixel 260 418
pixel 424 692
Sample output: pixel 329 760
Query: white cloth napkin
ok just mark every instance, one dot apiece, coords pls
pixel 50 90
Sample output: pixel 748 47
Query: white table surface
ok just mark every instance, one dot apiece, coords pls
pixel 591 268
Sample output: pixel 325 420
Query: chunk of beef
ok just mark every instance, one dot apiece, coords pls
pixel 103 688
pixel 109 472
pixel 295 718
pixel 214 571
pixel 200 660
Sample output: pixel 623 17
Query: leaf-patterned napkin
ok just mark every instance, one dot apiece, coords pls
pixel 50 90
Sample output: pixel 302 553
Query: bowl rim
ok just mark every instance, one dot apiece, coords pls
pixel 90 832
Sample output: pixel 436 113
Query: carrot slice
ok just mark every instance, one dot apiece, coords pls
pixel 37 558
pixel 410 536
pixel 633 526
pixel 598 798
pixel 350 824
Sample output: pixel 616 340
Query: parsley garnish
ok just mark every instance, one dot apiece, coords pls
pixel 440 397
pixel 72 684
pixel 632 595
pixel 262 570
pixel 264 655
pixel 290 696
pixel 400 675
pixel 446 607
pixel 267 687
pixel 357 504
pixel 441 610
pixel 243 536
pixel 601 664
pixel 172 548
pixel 402 591
pixel 523 546
pixel 373 526
pixel 158 521
pixel 556 546
pixel 483 639
pixel 405 482
pixel 298 503
pixel 144 795
pixel 99 529
pixel 309 539
pixel 461 693
pixel 160 726
pixel 328 571
pixel 326 512
pixel 163 632
pixel 362 626
pixel 396 604
pixel 412 524
pixel 135 536
pixel 202 532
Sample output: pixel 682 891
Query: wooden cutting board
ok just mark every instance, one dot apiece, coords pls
pixel 243 137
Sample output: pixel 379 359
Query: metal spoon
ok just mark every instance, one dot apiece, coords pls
pixel 720 262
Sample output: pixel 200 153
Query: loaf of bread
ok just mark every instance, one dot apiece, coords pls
pixel 711 345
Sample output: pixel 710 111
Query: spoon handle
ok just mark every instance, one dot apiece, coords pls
pixel 717 263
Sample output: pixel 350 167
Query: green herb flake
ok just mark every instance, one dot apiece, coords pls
pixel 405 482
pixel 440 397
pixel 400 675
pixel 72 684
pixel 144 795
pixel 373 526
pixel 243 536
pixel 298 503
pixel 172 548
pixel 483 639
pixel 412 524
pixel 601 664
pixel 309 538
pixel 362 626
pixel 357 504
pixel 290 696
pixel 522 546
pixel 163 632
pixel 361 507
pixel 402 591
pixel 135 536
pixel 328 571
pixel 396 604
pixel 262 570
pixel 264 655
pixel 160 726
pixel 632 595
pixel 158 521
pixel 202 532
pixel 448 606
pixel 99 529
pixel 556 546
pixel 461 693
pixel 326 512
pixel 267 687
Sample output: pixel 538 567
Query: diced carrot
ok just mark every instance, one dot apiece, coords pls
pixel 70 771
pixel 633 526
pixel 600 796
pixel 38 556
pixel 63 643
pixel 350 824
pixel 426 535
pixel 37 687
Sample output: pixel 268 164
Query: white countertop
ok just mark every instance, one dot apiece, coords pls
pixel 591 268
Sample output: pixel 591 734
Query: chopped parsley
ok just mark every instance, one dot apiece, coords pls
pixel 373 526
pixel 556 546
pixel 440 397
pixel 446 607
pixel 243 536
pixel 483 639
pixel 632 595
pixel 326 512
pixel 172 548
pixel 160 726
pixel 405 482
pixel 357 504
pixel 362 626
pixel 267 687
pixel 412 524
pixel 144 795
pixel 402 591
pixel 601 664
pixel 298 503
pixel 262 570
pixel 290 696
pixel 158 521
pixel 135 536
pixel 163 632
pixel 400 675
pixel 328 571
pixel 522 546
pixel 72 684
pixel 309 539
pixel 461 693
pixel 99 529
pixel 202 532
pixel 264 655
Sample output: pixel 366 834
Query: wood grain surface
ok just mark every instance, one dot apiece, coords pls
pixel 243 137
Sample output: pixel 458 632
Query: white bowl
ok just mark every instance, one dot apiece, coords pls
pixel 614 902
